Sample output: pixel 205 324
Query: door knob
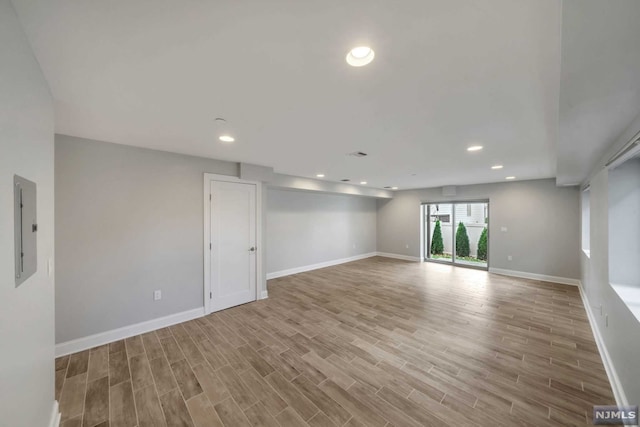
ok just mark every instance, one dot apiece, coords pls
pixel 252 249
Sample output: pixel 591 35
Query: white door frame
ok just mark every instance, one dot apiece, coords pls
pixel 208 177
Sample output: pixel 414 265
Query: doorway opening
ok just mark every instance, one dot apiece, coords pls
pixel 457 233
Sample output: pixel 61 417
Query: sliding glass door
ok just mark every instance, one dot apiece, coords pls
pixel 457 233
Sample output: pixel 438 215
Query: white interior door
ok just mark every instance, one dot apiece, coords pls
pixel 233 244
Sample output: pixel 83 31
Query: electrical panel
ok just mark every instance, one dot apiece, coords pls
pixel 25 228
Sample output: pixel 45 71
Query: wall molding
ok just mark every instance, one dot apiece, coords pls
pixel 325 264
pixel 398 256
pixel 101 338
pixel 264 295
pixel 55 415
pixel 614 380
pixel 535 276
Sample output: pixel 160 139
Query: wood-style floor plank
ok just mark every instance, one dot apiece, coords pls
pixel 122 408
pixel 72 396
pixel 96 402
pixel 202 412
pixel 140 371
pixel 175 410
pixel 231 414
pixel 162 375
pixel 118 367
pixel 78 364
pixel 211 384
pixel 376 342
pixel 98 363
pixel 187 381
pixel 148 407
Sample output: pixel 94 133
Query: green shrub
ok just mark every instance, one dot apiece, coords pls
pixel 482 245
pixel 437 245
pixel 462 241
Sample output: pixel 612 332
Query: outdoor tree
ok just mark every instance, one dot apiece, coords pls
pixel 437 245
pixel 462 241
pixel 482 245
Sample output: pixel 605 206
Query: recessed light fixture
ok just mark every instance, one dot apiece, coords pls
pixel 510 178
pixel 363 182
pixel 226 138
pixel 394 188
pixel 320 175
pixel 496 167
pixel 359 56
pixel 475 148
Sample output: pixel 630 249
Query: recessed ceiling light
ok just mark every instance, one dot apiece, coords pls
pixel 394 188
pixel 497 167
pixel 363 182
pixel 320 175
pixel 475 148
pixel 510 177
pixel 359 56
pixel 226 138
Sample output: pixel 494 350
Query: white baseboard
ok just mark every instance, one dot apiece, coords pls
pixel 398 256
pixel 302 269
pixel 55 415
pixel 91 341
pixel 614 380
pixel 535 276
pixel 264 295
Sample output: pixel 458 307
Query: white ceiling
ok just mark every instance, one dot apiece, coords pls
pixel 447 74
pixel 600 83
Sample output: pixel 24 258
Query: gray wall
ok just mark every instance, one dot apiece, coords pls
pixel 26 312
pixel 128 222
pixel 622 335
pixel 305 228
pixel 542 220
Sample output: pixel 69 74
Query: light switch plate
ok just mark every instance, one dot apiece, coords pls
pixel 157 295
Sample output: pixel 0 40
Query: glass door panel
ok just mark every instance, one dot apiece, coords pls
pixel 471 239
pixel 440 244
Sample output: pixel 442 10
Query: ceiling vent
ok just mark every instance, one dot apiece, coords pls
pixel 357 154
pixel 387 188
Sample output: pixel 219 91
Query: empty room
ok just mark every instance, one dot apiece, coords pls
pixel 323 213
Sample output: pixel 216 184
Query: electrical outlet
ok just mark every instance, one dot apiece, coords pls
pixel 406 246
pixel 504 229
pixel 157 295
pixel 509 258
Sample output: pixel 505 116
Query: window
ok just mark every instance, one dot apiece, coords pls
pixel 624 232
pixel 586 221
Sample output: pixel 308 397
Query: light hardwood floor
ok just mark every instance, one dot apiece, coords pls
pixel 375 342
